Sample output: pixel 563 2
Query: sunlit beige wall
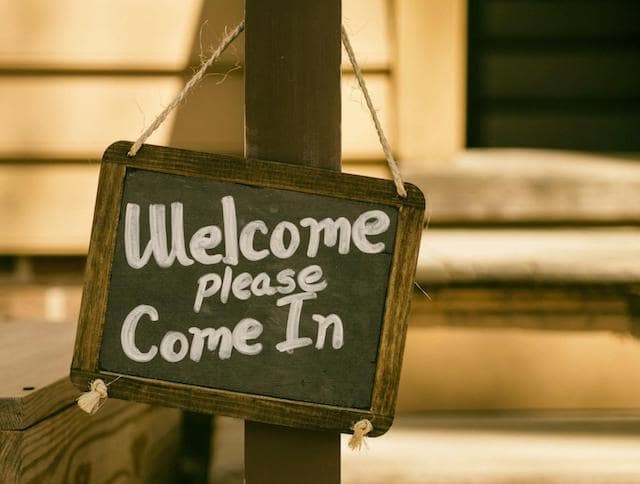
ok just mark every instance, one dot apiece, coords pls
pixel 430 80
pixel 77 76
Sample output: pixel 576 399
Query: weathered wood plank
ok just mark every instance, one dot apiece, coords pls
pixel 287 412
pixel 141 443
pixel 98 270
pixel 298 50
pixel 34 368
pixel 393 339
pixel 302 124
pixel 46 438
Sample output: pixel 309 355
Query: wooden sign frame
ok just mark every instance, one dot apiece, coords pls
pixel 85 366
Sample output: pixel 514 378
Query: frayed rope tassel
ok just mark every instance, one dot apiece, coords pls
pixel 360 431
pixel 94 399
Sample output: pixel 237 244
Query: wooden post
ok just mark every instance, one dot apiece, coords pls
pixel 292 99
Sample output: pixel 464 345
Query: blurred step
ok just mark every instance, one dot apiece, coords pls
pixel 478 448
pixel 502 186
pixel 502 448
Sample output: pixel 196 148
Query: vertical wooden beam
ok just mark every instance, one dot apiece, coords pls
pixel 195 451
pixel 292 114
pixel 292 81
pixel 281 455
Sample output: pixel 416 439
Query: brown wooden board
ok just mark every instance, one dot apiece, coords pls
pixel 360 283
pixel 125 442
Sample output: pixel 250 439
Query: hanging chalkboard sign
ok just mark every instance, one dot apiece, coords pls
pixel 260 290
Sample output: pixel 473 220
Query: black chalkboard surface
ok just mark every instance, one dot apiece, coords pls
pixel 256 289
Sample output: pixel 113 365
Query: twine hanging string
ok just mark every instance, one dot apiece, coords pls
pixel 224 43
pixel 393 165
pixel 193 82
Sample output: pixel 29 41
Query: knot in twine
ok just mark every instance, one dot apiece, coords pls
pixel 92 400
pixel 360 431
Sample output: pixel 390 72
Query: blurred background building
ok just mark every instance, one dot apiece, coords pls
pixel 519 118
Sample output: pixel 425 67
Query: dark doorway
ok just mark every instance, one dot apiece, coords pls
pixel 559 74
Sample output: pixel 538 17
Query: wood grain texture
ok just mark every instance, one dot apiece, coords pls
pixel 281 455
pixel 269 174
pixel 125 442
pixel 318 459
pixel 255 173
pixel 393 337
pixel 103 234
pixel 298 72
pixel 34 368
pixel 261 409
